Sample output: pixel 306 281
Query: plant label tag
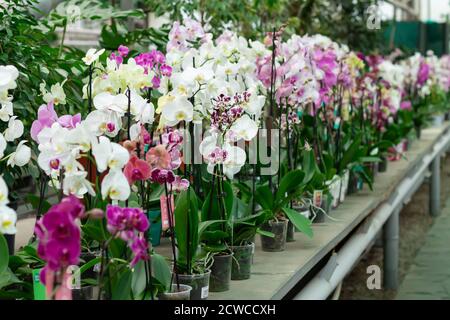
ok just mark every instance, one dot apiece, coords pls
pixel 337 123
pixel 205 291
pixel 317 198
pixel 165 211
pixel 38 286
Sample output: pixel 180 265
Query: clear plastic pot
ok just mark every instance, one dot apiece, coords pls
pixel 184 293
pixel 221 273
pixel 278 242
pixel 199 284
pixel 242 262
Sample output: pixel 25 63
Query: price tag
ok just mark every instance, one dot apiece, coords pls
pixel 317 198
pixel 38 286
pixel 165 211
pixel 337 123
pixel 205 292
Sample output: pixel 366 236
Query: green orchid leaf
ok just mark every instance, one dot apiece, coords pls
pixel 299 221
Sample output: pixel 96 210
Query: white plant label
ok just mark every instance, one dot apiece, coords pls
pixel 317 198
pixel 205 291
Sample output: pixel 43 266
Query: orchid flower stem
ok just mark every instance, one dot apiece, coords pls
pixel 280 112
pixel 129 114
pixel 42 190
pixel 288 140
pixel 62 38
pixel 148 276
pixel 172 237
pixel 338 134
pixel 61 183
pixel 104 254
pixel 221 195
pixel 272 92
pixel 254 175
pixel 89 165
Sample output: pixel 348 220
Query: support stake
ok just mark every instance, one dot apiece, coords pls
pixel 391 250
pixel 435 186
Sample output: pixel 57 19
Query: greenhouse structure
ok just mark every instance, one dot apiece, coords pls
pixel 224 150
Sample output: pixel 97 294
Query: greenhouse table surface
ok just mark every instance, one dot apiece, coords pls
pixel 274 274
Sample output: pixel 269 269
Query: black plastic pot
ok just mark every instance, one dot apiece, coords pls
pixel 290 232
pixel 183 294
pixel 199 284
pixel 221 273
pixel 242 262
pixel 353 184
pixel 320 216
pixel 326 206
pixel 418 131
pixel 85 257
pixel 276 243
pixel 375 169
pixel 382 166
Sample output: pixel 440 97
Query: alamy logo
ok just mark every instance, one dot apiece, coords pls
pixel 374 279
pixel 373 19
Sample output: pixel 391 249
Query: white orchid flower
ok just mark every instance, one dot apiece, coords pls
pixel 147 114
pixel 234 161
pixel 3 144
pixel 76 183
pixel 244 128
pixel 109 155
pixel 21 156
pixel 6 110
pixel 135 130
pixel 92 55
pixel 80 137
pixel 255 104
pixel 176 109
pixel 183 83
pixel 106 101
pixel 208 144
pixel 55 95
pixel 103 122
pixel 141 109
pixel 54 151
pixel 14 130
pixel 3 192
pixel 130 75
pixel 115 186
pixel 8 76
pixel 8 218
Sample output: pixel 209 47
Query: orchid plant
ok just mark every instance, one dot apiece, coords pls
pixel 133 148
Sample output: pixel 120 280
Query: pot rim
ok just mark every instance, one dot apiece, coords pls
pixel 250 244
pixel 187 288
pixel 196 275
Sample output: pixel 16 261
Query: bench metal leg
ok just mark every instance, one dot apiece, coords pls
pixel 435 187
pixel 391 251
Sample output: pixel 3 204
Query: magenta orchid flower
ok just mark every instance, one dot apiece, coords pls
pixel 59 235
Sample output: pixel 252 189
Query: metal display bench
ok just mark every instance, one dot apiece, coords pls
pixel 313 268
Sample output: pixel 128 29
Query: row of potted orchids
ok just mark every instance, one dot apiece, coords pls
pixel 205 146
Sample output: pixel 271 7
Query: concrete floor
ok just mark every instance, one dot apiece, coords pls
pixel 429 276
